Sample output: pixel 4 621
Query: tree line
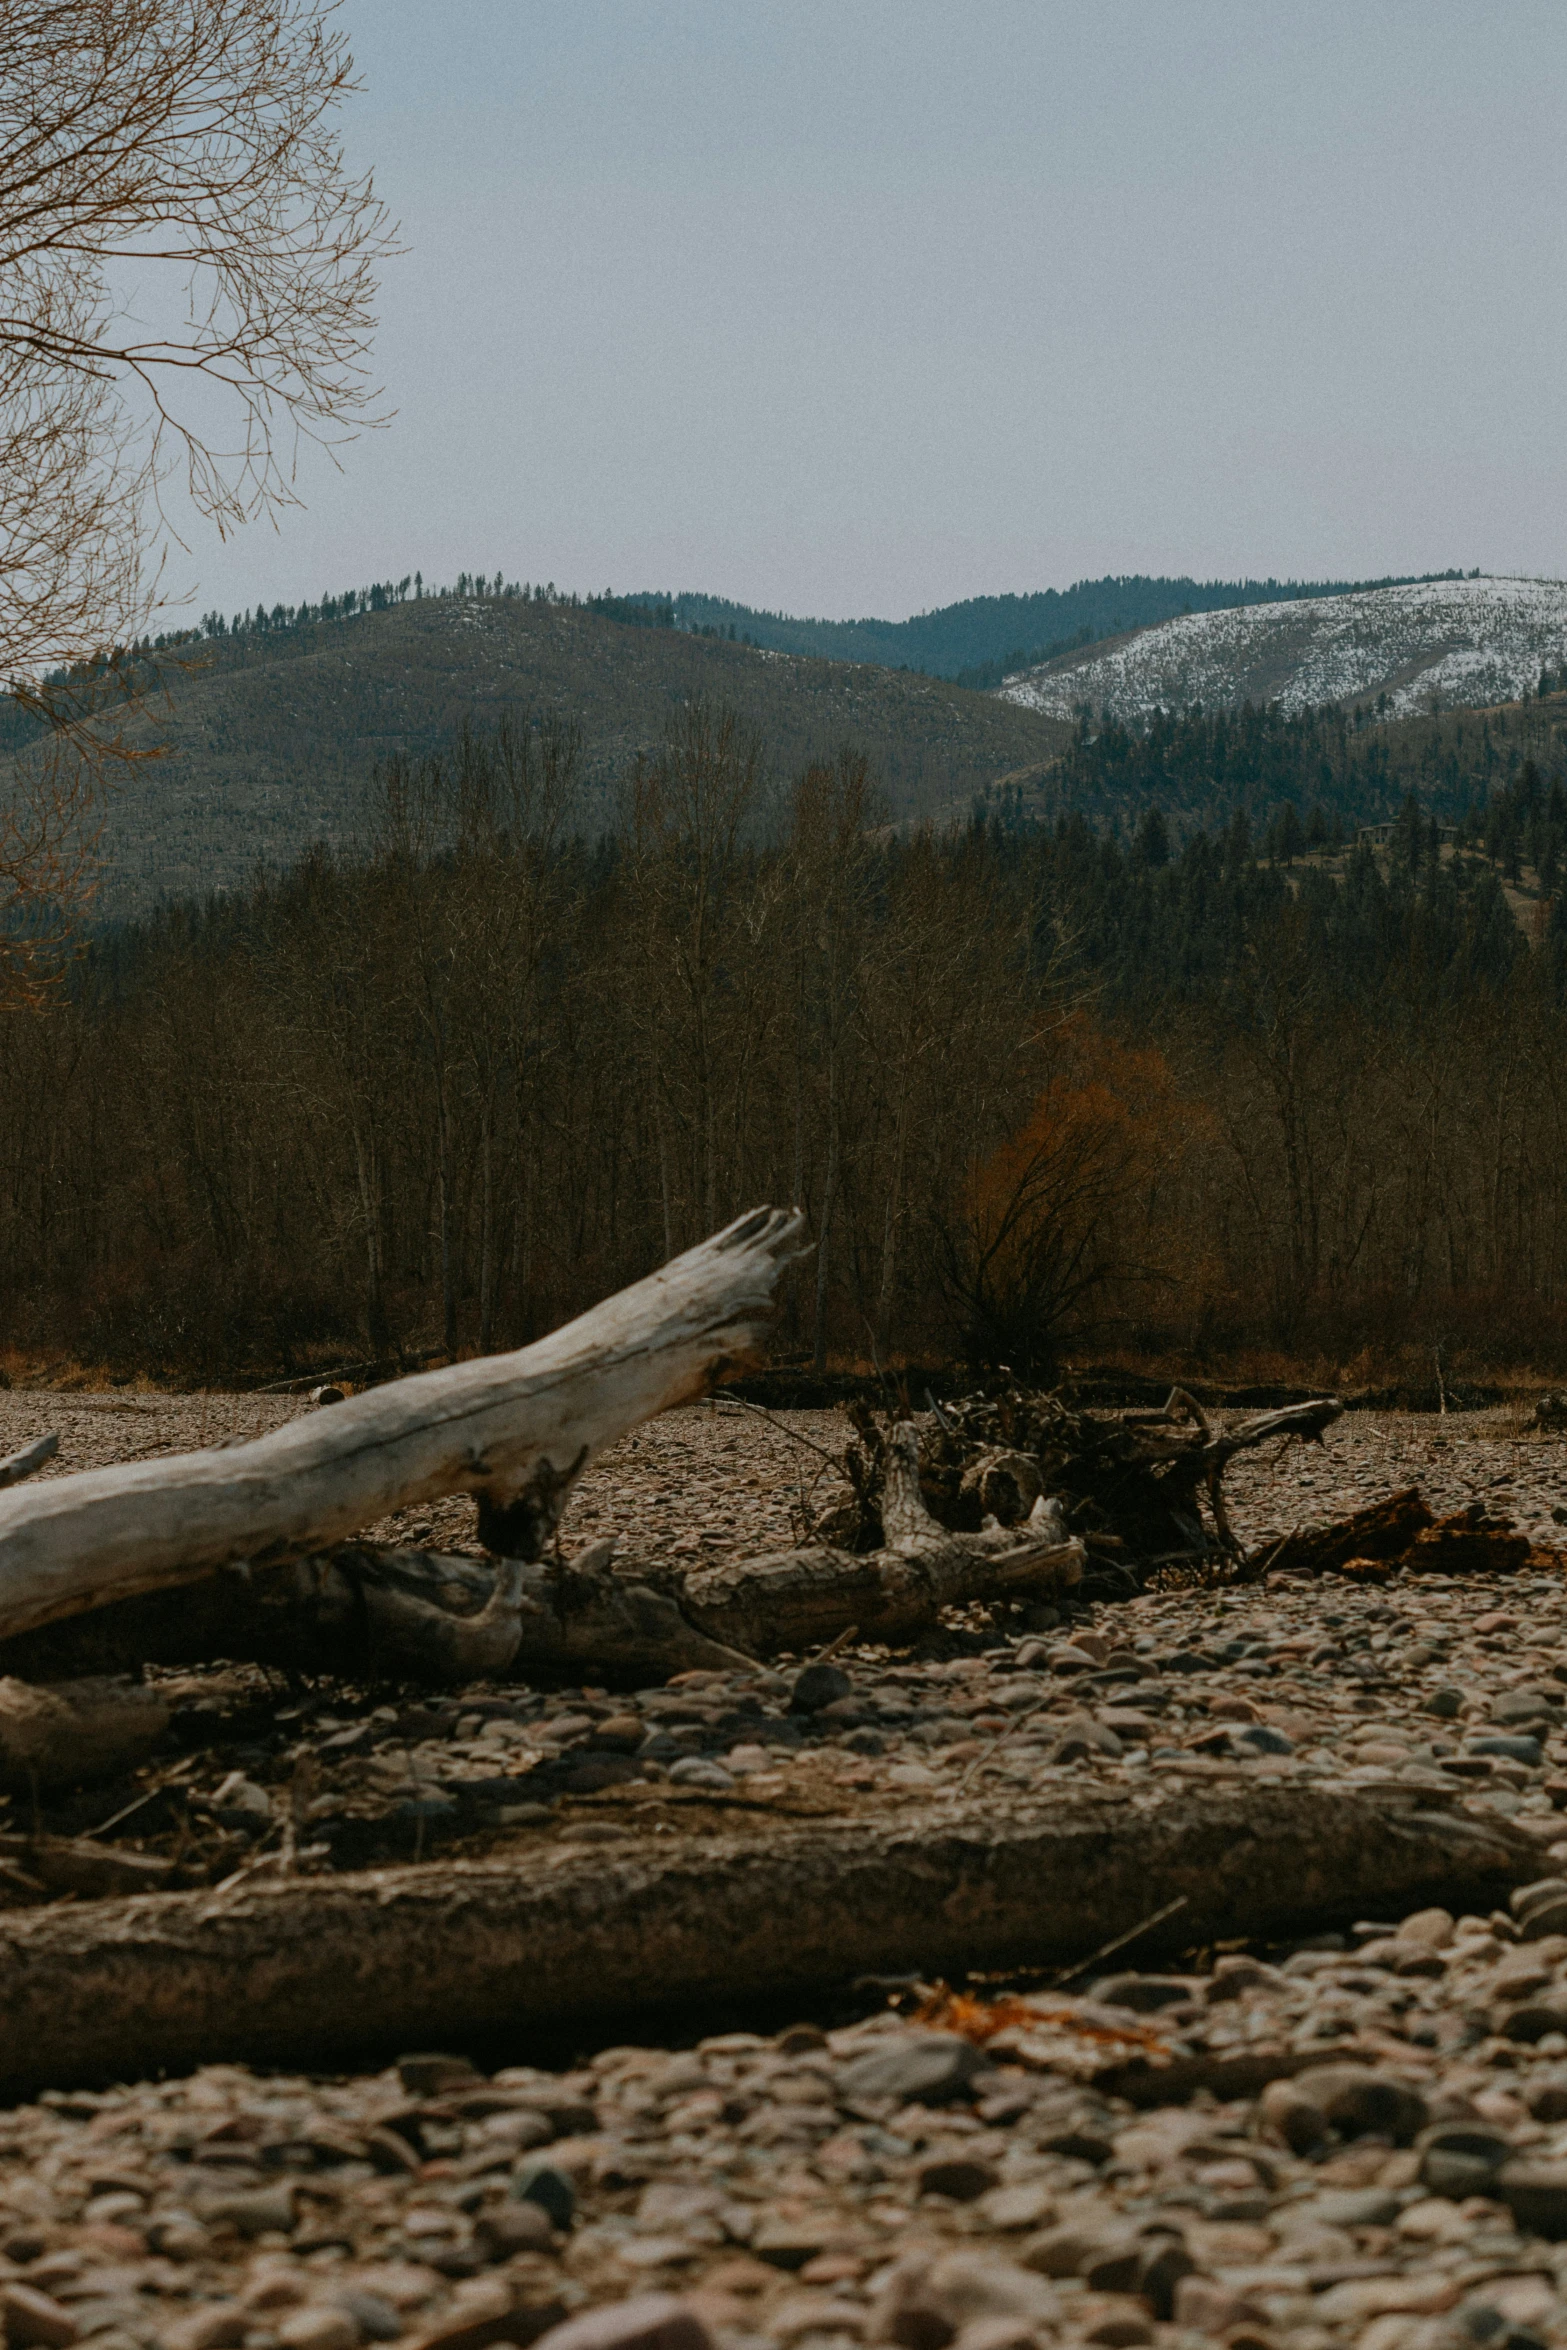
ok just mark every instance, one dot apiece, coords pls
pixel 1035 1090
pixel 1305 778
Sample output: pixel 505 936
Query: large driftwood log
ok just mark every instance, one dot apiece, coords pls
pixel 411 1615
pixel 321 1970
pixel 359 1615
pixel 796 1599
pixel 513 1430
pixel 364 1614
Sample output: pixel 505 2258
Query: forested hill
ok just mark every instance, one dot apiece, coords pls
pixel 275 730
pixel 1322 772
pixel 274 734
pixel 979 641
pixel 1442 644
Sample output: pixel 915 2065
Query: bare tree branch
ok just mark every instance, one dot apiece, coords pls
pixel 187 287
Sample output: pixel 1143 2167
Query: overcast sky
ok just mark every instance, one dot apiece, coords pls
pixel 861 306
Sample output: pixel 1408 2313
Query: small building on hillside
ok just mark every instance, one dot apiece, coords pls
pixel 1379 836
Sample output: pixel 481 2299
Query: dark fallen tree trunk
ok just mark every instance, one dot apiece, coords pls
pixel 320 1971
pixel 363 1614
pixel 367 1615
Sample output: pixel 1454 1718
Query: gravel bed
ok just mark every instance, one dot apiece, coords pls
pixel 1358 2140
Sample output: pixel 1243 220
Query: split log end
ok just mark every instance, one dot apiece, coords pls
pixel 76 1731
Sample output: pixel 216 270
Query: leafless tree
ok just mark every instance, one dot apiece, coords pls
pixel 187 283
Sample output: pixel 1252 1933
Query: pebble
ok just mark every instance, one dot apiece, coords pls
pixel 541 2183
pixel 650 2321
pixel 32 2317
pixel 1400 2184
pixel 319 2329
pixel 927 2067
pixel 817 1687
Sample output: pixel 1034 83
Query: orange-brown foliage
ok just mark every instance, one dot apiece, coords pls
pixel 1072 1211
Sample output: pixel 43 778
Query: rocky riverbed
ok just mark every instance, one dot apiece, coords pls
pixel 1357 2139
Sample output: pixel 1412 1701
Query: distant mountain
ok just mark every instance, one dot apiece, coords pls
pixel 977 642
pixel 1404 651
pixel 274 734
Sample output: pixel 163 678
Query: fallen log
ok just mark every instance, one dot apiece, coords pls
pixel 513 1430
pixel 361 1614
pixel 1401 1532
pixel 797 1599
pixel 323 1970
pixel 365 1614
pixel 357 1614
pixel 18 1465
pixel 80 1731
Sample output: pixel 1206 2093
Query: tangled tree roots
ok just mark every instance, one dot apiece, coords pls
pixel 1142 1490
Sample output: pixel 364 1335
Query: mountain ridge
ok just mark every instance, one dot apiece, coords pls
pixel 975 641
pixel 1406 649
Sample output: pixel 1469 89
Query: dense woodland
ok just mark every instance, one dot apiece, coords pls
pixel 1038 1088
pixel 1305 778
pixel 275 723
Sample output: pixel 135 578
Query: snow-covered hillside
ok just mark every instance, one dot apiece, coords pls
pixel 1445 643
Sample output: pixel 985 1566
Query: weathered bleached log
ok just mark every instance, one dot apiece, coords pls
pixel 796 1599
pixel 364 1613
pixel 18 1465
pixel 76 1732
pixel 320 1970
pixel 513 1430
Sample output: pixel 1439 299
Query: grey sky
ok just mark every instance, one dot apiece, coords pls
pixel 855 307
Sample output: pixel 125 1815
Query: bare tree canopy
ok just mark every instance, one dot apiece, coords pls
pixel 188 272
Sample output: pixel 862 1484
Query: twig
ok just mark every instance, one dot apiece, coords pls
pixel 372 1369
pixel 740 1404
pixel 1109 1949
pixel 1256 1573
pixel 849 1632
pixel 1005 1738
pixel 895 1986
pixel 180 1771
pixel 251 1868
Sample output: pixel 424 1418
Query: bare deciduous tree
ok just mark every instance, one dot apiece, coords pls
pixel 187 279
